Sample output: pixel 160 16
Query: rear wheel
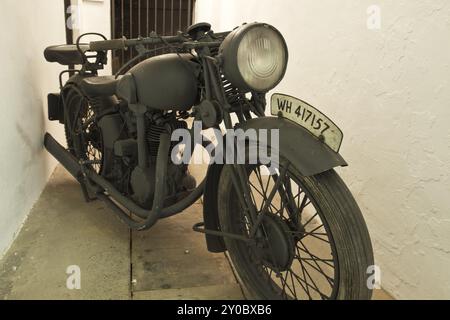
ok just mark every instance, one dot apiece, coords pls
pixel 83 135
pixel 312 243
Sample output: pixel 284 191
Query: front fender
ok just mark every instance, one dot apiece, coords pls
pixel 307 153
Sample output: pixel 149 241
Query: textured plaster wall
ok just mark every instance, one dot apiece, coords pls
pixel 26 28
pixel 389 90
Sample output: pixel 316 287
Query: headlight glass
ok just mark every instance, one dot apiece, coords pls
pixel 261 58
pixel 259 54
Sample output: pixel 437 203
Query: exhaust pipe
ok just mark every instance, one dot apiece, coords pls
pixel 64 157
pixel 70 162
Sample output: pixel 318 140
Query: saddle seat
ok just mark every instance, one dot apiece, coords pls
pixel 66 54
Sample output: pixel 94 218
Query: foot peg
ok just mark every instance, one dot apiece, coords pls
pixel 200 227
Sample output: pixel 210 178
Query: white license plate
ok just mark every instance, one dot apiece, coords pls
pixel 309 118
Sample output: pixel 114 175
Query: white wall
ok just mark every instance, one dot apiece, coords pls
pixel 94 16
pixel 26 28
pixel 388 90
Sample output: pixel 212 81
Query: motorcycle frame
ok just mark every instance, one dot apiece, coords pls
pixel 105 191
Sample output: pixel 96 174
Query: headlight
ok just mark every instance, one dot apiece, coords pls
pixel 255 57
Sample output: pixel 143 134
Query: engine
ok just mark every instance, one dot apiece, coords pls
pixel 178 180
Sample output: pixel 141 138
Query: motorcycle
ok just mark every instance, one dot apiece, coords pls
pixel 289 224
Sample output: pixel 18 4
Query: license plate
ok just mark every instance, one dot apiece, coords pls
pixel 309 118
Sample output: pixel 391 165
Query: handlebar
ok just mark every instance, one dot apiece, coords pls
pixel 152 40
pixel 124 43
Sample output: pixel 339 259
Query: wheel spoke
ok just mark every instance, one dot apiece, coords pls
pixel 323 296
pixel 304 204
pixel 91 140
pixel 310 219
pixel 300 281
pixel 304 276
pixel 313 286
pixel 315 258
pixel 262 195
pixel 288 200
pixel 286 285
pixel 268 201
pixel 315 229
pixel 276 187
pixel 328 278
pixel 292 281
pixel 259 176
pixel 316 237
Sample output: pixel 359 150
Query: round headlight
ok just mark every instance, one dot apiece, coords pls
pixel 255 57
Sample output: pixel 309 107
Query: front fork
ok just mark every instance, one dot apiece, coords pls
pixel 214 90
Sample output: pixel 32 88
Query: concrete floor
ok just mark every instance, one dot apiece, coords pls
pixel 170 261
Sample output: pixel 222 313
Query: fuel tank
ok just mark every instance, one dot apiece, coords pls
pixel 165 82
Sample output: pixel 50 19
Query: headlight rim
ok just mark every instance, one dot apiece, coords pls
pixel 229 49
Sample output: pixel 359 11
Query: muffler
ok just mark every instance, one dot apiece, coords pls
pixel 63 156
pixel 108 191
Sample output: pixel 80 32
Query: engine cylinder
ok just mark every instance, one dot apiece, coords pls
pixel 154 132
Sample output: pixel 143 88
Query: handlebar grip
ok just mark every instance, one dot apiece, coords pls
pixel 107 45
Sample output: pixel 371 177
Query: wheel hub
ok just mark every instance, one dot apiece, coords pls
pixel 278 250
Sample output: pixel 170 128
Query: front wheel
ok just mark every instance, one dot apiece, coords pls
pixel 312 242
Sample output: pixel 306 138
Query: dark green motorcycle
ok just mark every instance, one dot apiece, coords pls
pixel 288 222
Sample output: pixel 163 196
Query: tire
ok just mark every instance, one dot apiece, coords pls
pixel 69 115
pixel 342 221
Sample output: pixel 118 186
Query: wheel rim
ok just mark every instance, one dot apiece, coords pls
pixel 312 269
